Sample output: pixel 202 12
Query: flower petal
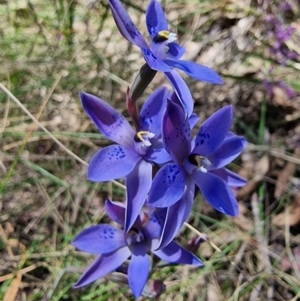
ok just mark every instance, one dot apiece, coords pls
pixel 176 132
pixel 182 91
pixel 154 226
pixel 175 51
pixel 112 162
pixel 154 62
pixel 152 110
pixel 99 239
pixel 158 155
pixel 168 186
pixel 196 71
pixel 193 120
pixel 102 266
pixel 115 211
pixel 110 122
pixel 216 192
pixel 213 131
pixel 138 184
pixel 155 19
pixel 177 215
pixel 125 25
pixel 176 254
pixel 138 270
pixel 227 152
pixel 232 179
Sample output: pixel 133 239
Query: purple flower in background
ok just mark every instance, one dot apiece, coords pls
pixel 114 246
pixel 164 53
pixel 135 152
pixel 201 162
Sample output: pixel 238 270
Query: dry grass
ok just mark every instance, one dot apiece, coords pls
pixel 50 50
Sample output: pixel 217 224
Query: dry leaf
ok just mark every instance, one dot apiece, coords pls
pixel 285 176
pixel 261 168
pixel 293 214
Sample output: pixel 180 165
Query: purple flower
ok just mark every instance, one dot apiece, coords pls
pixel 135 152
pixel 116 246
pixel 164 53
pixel 201 162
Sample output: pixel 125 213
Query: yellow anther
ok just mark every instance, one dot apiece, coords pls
pixel 140 134
pixel 164 34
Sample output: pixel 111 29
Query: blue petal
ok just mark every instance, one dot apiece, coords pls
pixel 168 186
pixel 138 184
pixel 193 120
pixel 99 239
pixel 177 215
pixel 182 91
pixel 158 155
pixel 112 162
pixel 231 178
pixel 155 19
pixel 154 226
pixel 138 269
pixel 152 110
pixel 176 132
pixel 176 254
pixel 115 211
pixel 227 152
pixel 213 132
pixel 196 71
pixel 216 192
pixel 154 62
pixel 110 122
pixel 175 51
pixel 102 266
pixel 125 25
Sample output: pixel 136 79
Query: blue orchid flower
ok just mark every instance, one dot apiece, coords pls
pixel 135 152
pixel 201 162
pixel 164 53
pixel 115 246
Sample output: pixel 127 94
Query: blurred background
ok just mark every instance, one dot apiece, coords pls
pixel 50 50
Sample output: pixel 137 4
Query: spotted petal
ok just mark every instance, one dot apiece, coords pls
pixel 99 239
pixel 154 62
pixel 155 18
pixel 176 132
pixel 213 131
pixel 176 254
pixel 216 192
pixel 138 184
pixel 125 25
pixel 103 165
pixel 138 269
pixel 110 122
pixel 196 71
pixel 167 186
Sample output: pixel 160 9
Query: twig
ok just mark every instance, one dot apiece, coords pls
pixel 274 152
